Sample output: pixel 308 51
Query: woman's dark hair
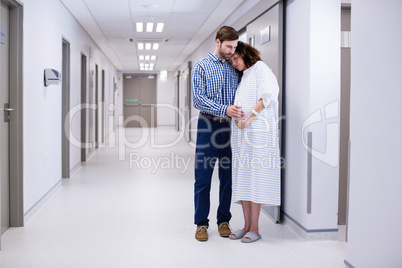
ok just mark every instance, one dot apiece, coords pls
pixel 227 33
pixel 249 54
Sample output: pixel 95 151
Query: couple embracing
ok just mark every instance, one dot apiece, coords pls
pixel 237 95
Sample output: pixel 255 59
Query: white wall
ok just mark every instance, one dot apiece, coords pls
pixel 46 22
pixel 312 89
pixel 165 97
pixel 375 199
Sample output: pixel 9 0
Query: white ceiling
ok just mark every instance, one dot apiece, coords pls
pixel 187 24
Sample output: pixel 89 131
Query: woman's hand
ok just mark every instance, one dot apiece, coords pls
pixel 242 124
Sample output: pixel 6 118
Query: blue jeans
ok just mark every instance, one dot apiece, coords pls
pixel 213 144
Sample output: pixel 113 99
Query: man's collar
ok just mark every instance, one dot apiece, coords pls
pixel 214 57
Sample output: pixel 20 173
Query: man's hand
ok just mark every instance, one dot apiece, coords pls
pixel 235 111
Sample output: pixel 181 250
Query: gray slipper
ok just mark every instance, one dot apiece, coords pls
pixel 252 236
pixel 238 234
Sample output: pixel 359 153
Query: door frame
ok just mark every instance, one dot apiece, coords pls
pixel 102 121
pixel 84 112
pixel 16 121
pixel 65 122
pixel 97 106
pixel 177 100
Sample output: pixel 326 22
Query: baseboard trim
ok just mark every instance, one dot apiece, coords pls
pixel 32 211
pixel 75 169
pixel 309 234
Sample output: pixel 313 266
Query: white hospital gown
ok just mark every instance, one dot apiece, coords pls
pixel 255 149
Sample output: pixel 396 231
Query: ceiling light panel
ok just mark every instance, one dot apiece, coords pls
pixel 159 27
pixel 150 27
pixel 139 27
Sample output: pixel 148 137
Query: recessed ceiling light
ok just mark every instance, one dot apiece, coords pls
pixel 150 27
pixel 139 27
pixel 140 46
pixel 147 57
pixel 159 27
pixel 153 57
pixel 155 46
pixel 141 57
pixel 148 46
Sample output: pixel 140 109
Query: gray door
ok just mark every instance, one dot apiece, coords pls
pixel 187 100
pixel 84 112
pixel 102 109
pixel 344 120
pixel 5 128
pixel 177 100
pixel 97 106
pixel 265 34
pixel 139 93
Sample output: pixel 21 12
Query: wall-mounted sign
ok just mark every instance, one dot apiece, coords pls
pixel 265 35
pixel 3 34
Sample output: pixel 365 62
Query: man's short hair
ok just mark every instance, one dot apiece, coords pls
pixel 227 33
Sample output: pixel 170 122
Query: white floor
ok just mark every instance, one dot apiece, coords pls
pixel 138 212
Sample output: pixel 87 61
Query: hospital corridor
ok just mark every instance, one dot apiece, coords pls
pixel 113 113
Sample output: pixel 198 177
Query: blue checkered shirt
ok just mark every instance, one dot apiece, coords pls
pixel 214 85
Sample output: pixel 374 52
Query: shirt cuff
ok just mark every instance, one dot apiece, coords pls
pixel 224 110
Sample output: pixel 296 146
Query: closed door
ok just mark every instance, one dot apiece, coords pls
pixel 4 129
pixel 139 101
pixel 187 100
pixel 65 121
pixel 177 100
pixel 265 34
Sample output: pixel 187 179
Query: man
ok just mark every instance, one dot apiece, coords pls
pixel 214 83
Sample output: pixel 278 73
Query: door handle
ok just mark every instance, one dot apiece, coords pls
pixel 7 111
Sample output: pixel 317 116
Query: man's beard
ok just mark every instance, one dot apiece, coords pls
pixel 225 56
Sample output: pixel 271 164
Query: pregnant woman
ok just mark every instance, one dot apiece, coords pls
pixel 255 149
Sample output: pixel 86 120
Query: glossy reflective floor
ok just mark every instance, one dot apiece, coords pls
pixel 132 206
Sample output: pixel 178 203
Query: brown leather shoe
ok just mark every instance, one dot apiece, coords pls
pixel 201 234
pixel 224 229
